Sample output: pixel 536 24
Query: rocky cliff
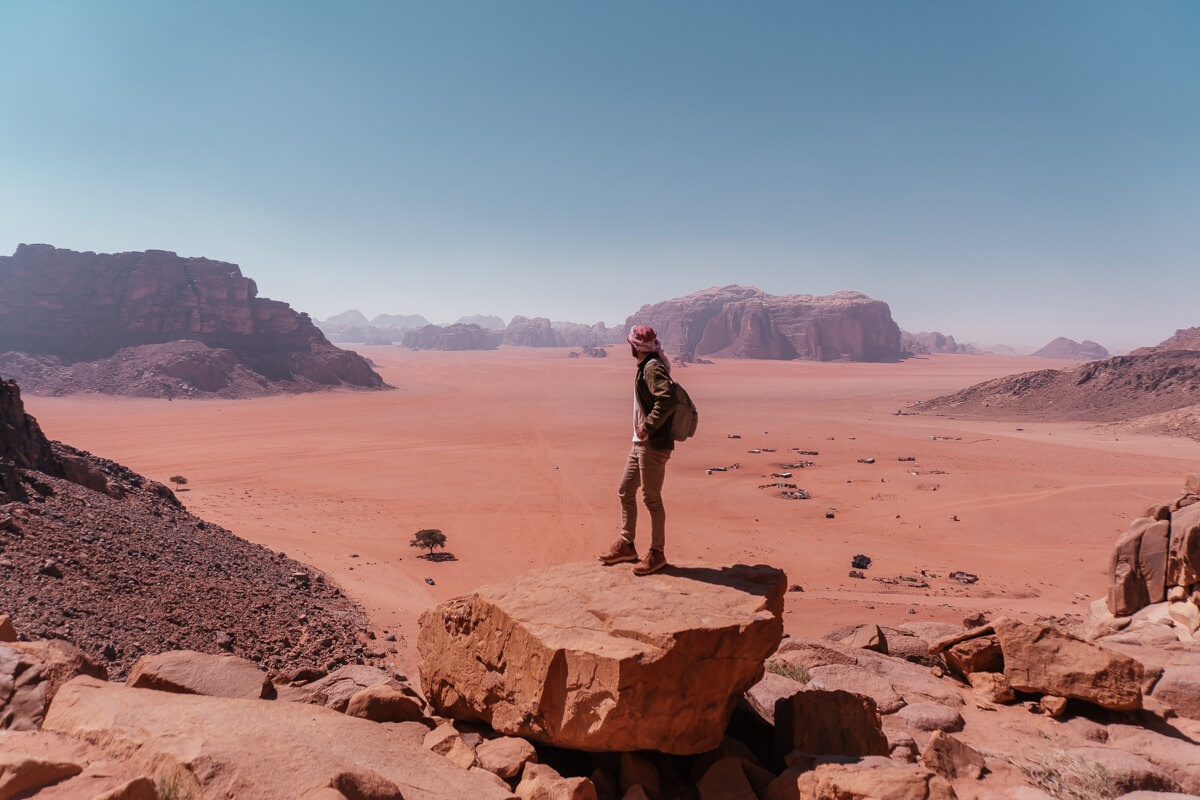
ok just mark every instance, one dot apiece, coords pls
pixel 1119 388
pixel 1183 339
pixel 1063 347
pixel 745 322
pixel 60 308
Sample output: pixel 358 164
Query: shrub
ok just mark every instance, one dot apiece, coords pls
pixel 795 672
pixel 179 480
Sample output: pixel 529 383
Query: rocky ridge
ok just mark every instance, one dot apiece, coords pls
pixel 451 337
pixel 745 322
pixel 155 324
pixel 1182 339
pixel 924 343
pixel 1119 388
pixel 97 555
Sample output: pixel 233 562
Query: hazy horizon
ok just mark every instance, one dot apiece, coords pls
pixel 1003 173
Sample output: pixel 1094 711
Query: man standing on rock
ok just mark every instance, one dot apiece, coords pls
pixel 653 405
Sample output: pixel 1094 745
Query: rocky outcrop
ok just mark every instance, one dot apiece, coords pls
pixel 1065 348
pixel 1119 388
pixel 536 332
pixel 253 749
pixel 1182 339
pixel 120 567
pixel 745 322
pixel 451 337
pixel 609 661
pixel 575 334
pixel 924 343
pixel 60 308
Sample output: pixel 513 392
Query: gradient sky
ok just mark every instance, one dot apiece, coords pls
pixel 1000 171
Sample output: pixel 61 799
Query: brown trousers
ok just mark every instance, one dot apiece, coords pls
pixel 645 467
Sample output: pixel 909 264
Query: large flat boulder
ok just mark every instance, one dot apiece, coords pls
pixel 189 672
pixel 1183 561
pixel 50 765
pixel 1038 658
pixel 596 658
pixel 219 747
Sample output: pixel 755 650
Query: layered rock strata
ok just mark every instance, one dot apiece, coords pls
pixel 61 308
pixel 596 658
pixel 745 322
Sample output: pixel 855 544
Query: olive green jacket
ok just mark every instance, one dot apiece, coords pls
pixel 654 401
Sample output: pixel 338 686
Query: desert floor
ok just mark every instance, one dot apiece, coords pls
pixel 515 455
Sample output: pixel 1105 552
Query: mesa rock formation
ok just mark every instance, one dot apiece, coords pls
pixel 536 332
pixel 932 342
pixel 155 324
pixel 745 322
pixel 609 661
pixel 1065 348
pixel 451 337
pixel 1118 388
pixel 95 554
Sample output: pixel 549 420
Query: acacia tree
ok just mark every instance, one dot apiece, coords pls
pixel 179 480
pixel 429 538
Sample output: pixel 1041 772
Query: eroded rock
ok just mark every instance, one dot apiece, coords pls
pixel 189 672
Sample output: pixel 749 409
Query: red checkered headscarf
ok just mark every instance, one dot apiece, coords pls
pixel 644 339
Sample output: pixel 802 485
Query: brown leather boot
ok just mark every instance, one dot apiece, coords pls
pixel 652 563
pixel 620 552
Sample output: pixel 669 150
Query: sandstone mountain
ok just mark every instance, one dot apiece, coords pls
pixel 155 324
pixel 1063 347
pixel 935 342
pixel 353 327
pixel 1117 388
pixel 95 554
pixel 1183 339
pixel 450 337
pixel 745 322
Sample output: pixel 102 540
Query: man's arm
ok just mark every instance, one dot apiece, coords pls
pixel 659 384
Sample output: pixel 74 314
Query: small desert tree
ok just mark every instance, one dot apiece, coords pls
pixel 179 480
pixel 428 538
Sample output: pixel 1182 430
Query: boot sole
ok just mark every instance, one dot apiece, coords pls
pixel 608 562
pixel 642 572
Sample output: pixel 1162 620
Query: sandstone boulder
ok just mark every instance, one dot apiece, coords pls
pixel 860 681
pixel 609 661
pixel 1183 561
pixel 228 747
pixel 59 767
pixel 763 695
pixel 1041 659
pixel 505 756
pixel 1138 568
pixel 1179 689
pixel 870 779
pixel 981 654
pixel 385 703
pixel 447 742
pixel 540 782
pixel 337 688
pixel 31 673
pixel 931 717
pixel 7 632
pixel 189 672
pixel 829 723
pixel 952 758
pixel 992 687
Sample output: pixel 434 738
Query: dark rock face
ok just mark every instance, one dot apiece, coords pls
pixel 1063 347
pixel 97 555
pixel 934 342
pixel 450 337
pixel 61 308
pixel 536 332
pixel 1117 388
pixel 745 322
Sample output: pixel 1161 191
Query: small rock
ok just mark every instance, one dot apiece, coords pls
pixel 505 756
pixel 991 687
pixel 1053 705
pixel 931 717
pixel 385 703
pixel 540 782
pixel 446 741
pixel 951 758
pixel 51 568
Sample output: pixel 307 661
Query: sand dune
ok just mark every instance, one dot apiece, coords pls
pixel 469 443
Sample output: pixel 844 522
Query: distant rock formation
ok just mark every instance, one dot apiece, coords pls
pixel 1183 339
pixel 450 337
pixel 353 327
pixel 67 316
pixel 1118 388
pixel 745 322
pixel 536 332
pixel 1065 348
pixel 924 343
pixel 489 322
pixel 575 334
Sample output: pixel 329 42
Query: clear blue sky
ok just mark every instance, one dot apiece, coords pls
pixel 1000 171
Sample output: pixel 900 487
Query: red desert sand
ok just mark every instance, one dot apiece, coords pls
pixel 515 454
